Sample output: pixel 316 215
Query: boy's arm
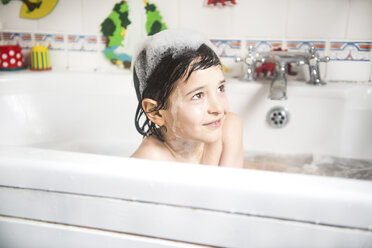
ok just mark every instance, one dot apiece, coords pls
pixel 232 142
pixel 212 153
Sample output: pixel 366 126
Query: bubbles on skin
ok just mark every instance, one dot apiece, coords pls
pixel 177 104
pixel 183 147
pixel 186 139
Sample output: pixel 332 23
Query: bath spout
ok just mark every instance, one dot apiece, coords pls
pixel 278 87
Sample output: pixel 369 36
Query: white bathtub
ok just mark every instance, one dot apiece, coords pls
pixel 66 179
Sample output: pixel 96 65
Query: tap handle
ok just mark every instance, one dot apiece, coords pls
pixel 247 60
pixel 250 57
pixel 314 56
pixel 325 59
pixel 250 62
pixel 313 62
pixel 239 59
pixel 312 50
pixel 250 48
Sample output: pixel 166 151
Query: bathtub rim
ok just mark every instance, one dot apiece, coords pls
pixel 229 190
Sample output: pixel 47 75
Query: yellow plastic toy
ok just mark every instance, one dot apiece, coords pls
pixel 36 9
pixel 40 58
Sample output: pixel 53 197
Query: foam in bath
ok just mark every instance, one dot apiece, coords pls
pixel 171 41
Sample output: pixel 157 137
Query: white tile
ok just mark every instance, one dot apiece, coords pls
pixel 317 18
pixel 263 19
pixel 26 57
pixel 82 61
pixel 11 21
pixel 169 10
pixel 348 71
pixel 94 13
pixel 360 20
pixel 66 17
pixel 136 31
pixel 234 70
pixel 212 21
pixel 58 60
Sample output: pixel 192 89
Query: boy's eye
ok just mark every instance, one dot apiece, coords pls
pixel 221 88
pixel 197 96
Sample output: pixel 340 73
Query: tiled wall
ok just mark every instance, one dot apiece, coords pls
pixel 341 29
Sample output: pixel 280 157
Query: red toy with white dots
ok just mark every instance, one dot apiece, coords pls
pixel 222 2
pixel 11 58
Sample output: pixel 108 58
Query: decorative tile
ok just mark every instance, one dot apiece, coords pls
pixel 102 41
pixel 350 51
pixel 51 41
pixel 82 43
pixel 264 45
pixel 227 48
pixel 303 46
pixel 91 41
pixel 22 39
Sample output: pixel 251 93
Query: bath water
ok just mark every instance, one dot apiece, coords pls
pixel 311 164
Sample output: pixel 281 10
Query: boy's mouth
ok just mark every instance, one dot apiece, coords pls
pixel 216 123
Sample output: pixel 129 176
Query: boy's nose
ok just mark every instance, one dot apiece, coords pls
pixel 215 106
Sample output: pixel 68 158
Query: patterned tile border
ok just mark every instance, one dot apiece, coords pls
pixel 102 41
pixel 264 45
pixel 82 43
pixel 22 39
pixel 227 48
pixel 350 51
pixel 54 42
pixel 303 46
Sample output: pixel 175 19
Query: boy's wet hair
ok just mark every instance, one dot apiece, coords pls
pixel 162 81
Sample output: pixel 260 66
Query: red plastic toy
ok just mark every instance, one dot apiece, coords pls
pixel 266 68
pixel 11 58
pixel 223 2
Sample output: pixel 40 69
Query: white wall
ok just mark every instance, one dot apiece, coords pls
pixel 342 29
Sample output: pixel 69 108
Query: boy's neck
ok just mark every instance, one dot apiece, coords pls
pixel 184 150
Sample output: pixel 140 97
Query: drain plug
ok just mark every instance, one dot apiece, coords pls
pixel 277 117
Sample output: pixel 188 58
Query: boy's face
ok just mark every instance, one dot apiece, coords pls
pixel 197 107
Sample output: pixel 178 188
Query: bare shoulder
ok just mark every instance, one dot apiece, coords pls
pixel 152 148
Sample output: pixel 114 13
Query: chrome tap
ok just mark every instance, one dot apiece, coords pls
pixel 313 60
pixel 250 61
pixel 278 88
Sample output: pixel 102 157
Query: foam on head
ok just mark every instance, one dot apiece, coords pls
pixel 171 41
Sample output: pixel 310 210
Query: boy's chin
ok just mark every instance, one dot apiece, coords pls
pixel 212 139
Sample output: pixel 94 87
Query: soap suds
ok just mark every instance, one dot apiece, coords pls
pixel 171 41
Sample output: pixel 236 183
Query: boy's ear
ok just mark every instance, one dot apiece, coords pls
pixel 156 117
